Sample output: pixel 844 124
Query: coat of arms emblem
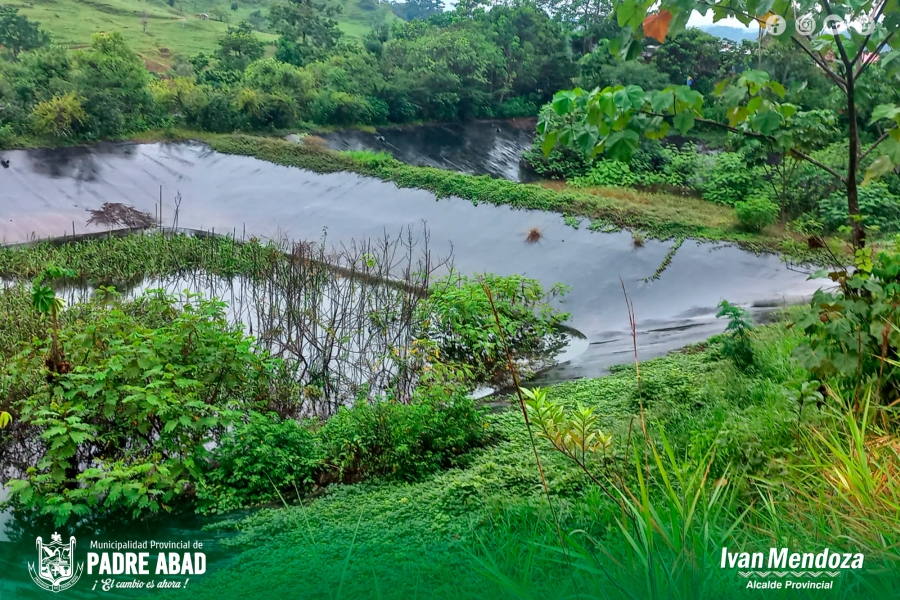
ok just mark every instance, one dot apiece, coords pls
pixel 56 569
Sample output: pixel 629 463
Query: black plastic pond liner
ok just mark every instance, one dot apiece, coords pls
pixel 45 191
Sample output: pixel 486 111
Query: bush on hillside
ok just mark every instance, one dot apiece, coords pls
pixel 879 208
pixel 756 212
pixel 730 180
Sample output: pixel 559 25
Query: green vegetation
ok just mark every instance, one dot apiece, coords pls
pixel 667 260
pixel 137 406
pixel 350 405
pixel 775 436
pixel 161 31
pixel 736 454
pixel 124 398
pixel 756 212
pixel 506 62
pixel 462 317
pixel 748 102
pixel 468 64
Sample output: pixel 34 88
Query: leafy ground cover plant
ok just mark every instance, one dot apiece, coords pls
pixel 458 317
pixel 852 331
pixel 127 423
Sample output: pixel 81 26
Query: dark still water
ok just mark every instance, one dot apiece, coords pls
pixel 476 147
pixel 46 192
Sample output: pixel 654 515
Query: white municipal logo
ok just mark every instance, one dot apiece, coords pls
pixel 56 569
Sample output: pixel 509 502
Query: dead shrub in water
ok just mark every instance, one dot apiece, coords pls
pixel 534 235
pixel 343 317
pixel 112 214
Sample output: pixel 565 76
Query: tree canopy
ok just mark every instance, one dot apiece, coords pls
pixel 18 34
pixel 613 119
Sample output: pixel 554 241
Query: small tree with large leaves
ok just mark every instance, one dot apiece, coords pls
pixel 611 121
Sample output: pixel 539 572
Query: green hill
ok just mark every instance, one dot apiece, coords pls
pixel 159 32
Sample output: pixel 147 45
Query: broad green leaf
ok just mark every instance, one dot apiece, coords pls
pixel 763 7
pixel 622 144
pixel 635 96
pixel 787 110
pixel 737 115
pixel 760 78
pixel 624 43
pixel 658 133
pixel 891 148
pixel 625 12
pixel 623 102
pixel 885 111
pixel 564 102
pixel 766 122
pixel 687 95
pixel 720 87
pixel 607 104
pixel 890 61
pixel 546 146
pixel 754 104
pixel 586 140
pixel 684 121
pixel 662 102
pixel 734 95
pixel 777 88
pixel 880 166
pixel 784 140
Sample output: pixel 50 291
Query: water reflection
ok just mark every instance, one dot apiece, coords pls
pixel 81 163
pixel 246 195
pixel 478 148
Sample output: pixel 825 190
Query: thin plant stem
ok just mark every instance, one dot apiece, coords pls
pixel 537 458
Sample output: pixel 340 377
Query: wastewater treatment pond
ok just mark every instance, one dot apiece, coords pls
pixel 48 193
pixel 491 147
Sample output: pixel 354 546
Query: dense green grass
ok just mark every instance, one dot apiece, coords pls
pixel 760 467
pixel 171 30
pixel 135 257
pixel 487 531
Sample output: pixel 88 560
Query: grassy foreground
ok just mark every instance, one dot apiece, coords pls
pixel 487 531
pixel 722 445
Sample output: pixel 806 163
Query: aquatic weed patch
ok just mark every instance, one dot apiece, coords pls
pixel 139 256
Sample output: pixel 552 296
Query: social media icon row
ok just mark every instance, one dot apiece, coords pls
pixel 807 25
